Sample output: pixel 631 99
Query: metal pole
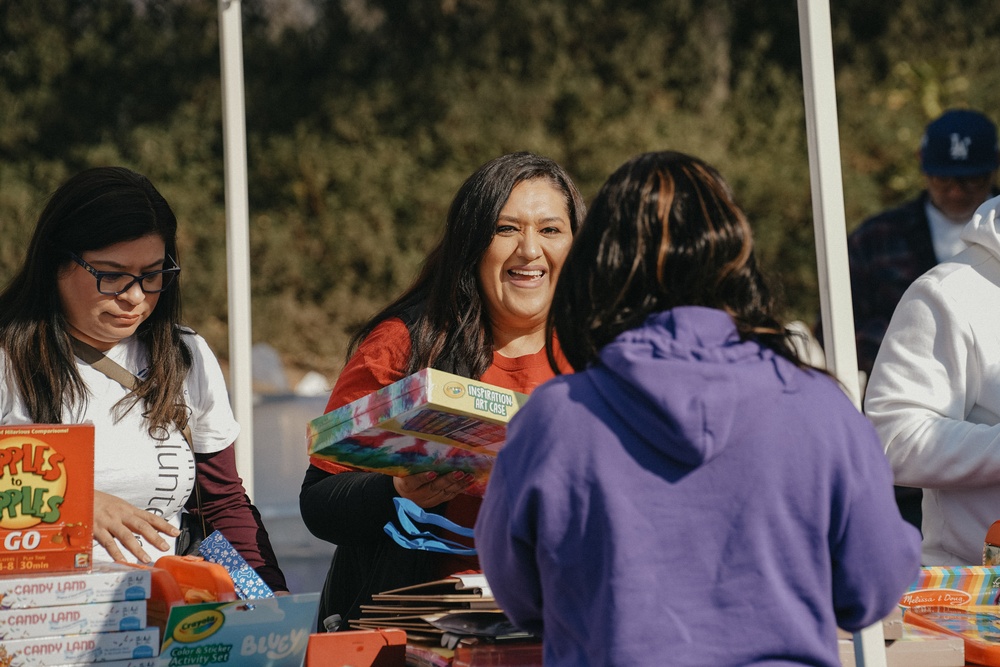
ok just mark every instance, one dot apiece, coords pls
pixel 237 232
pixel 831 234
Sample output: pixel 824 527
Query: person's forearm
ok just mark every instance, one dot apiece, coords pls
pixel 348 507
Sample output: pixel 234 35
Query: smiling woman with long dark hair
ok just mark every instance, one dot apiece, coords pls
pixel 478 309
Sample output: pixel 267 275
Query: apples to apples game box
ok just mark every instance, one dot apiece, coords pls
pixel 46 498
pixel 430 420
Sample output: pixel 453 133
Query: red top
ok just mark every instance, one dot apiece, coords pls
pixel 382 358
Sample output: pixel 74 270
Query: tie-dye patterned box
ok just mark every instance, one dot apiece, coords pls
pixel 430 420
pixel 956 586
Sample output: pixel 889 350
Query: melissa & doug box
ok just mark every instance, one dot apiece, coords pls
pixel 954 586
pixel 46 498
pixel 430 420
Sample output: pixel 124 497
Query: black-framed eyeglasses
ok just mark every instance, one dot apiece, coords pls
pixel 113 283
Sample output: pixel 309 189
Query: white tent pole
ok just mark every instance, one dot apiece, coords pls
pixel 831 234
pixel 237 232
pixel 828 193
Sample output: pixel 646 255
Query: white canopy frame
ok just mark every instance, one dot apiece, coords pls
pixel 831 234
pixel 828 214
pixel 234 142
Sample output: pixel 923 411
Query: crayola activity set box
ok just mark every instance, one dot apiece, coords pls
pixel 430 420
pixel 270 632
pixel 46 498
pixel 953 586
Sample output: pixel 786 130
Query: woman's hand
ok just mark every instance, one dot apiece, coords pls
pixel 428 489
pixel 116 522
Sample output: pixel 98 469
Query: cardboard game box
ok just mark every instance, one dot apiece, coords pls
pixel 80 649
pixel 955 586
pixel 270 632
pixel 105 582
pixel 46 498
pixel 430 420
pixel 73 619
pixel 383 647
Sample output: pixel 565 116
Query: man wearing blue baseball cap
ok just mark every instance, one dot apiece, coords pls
pixel 934 394
pixel 887 252
pixel 958 153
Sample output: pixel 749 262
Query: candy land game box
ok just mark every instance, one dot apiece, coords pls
pixel 430 420
pixel 46 498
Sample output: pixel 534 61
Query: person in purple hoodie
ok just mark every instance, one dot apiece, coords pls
pixel 694 494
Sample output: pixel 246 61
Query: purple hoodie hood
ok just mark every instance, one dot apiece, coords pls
pixel 698 351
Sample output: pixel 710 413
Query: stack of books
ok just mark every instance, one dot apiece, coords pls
pixel 419 609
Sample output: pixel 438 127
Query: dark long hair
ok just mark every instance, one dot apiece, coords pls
pixel 662 232
pixel 443 308
pixel 92 210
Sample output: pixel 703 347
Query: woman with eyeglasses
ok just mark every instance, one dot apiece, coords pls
pixel 101 278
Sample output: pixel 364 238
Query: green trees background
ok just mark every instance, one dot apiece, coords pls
pixel 364 117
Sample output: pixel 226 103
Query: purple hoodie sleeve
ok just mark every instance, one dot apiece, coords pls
pixel 230 511
pixel 507 561
pixel 875 554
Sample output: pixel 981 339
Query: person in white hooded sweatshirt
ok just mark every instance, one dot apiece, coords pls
pixel 934 394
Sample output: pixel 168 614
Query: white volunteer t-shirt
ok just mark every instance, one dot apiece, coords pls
pixel 155 475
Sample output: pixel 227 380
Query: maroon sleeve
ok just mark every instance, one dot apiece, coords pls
pixel 229 510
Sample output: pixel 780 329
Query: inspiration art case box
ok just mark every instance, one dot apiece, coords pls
pixel 430 420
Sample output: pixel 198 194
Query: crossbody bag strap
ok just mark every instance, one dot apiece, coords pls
pixel 101 362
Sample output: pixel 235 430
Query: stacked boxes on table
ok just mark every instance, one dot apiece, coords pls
pixel 55 607
pixel 58 609
pixel 77 619
pixel 938 588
